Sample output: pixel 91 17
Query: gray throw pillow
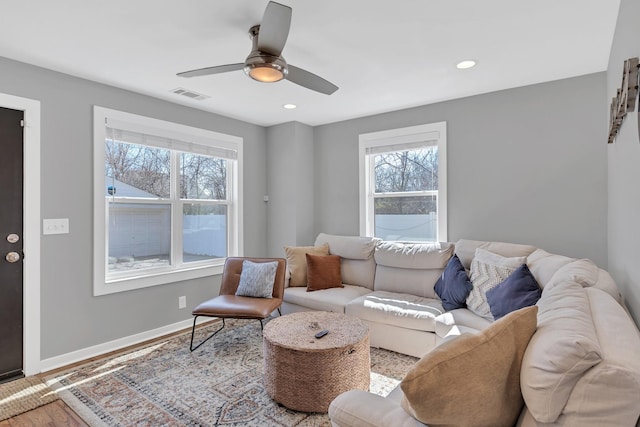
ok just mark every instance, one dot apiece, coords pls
pixel 256 279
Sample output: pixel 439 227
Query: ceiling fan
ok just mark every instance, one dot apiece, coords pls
pixel 265 62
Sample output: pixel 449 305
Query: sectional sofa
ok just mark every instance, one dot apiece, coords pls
pixel 581 366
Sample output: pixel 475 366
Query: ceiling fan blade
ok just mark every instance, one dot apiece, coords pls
pixel 310 81
pixel 274 28
pixel 212 70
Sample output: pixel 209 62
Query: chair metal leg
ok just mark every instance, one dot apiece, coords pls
pixel 262 325
pixel 193 330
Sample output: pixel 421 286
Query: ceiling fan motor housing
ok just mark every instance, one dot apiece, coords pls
pixel 262 66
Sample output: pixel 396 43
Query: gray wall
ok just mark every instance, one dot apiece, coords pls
pixel 290 183
pixel 71 317
pixel 525 165
pixel 624 170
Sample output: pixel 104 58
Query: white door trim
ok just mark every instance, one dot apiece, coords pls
pixel 31 281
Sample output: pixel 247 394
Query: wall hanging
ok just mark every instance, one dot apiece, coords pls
pixel 625 99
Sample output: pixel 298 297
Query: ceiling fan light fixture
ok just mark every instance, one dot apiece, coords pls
pixel 265 68
pixel 265 72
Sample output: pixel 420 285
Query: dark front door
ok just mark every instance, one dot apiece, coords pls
pixel 11 214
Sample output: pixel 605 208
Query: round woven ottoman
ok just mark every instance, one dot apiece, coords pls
pixel 305 373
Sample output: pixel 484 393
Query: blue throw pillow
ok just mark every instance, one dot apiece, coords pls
pixel 517 291
pixel 453 286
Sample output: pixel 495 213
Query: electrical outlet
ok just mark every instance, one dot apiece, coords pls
pixel 182 302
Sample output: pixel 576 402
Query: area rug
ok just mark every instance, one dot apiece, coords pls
pixel 25 394
pixel 219 384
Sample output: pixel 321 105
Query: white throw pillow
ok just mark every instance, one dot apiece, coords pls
pixel 256 279
pixel 488 270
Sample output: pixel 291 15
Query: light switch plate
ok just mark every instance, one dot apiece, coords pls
pixel 55 226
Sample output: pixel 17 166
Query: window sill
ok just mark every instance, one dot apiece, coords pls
pixel 111 286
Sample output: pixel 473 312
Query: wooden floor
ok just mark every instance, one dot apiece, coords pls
pixel 55 414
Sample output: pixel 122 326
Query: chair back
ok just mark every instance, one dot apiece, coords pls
pixel 233 269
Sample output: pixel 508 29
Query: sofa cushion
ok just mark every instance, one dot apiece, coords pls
pixel 544 265
pixel 519 290
pixel 453 286
pixel 488 270
pixel 562 349
pixel 357 266
pixel 323 272
pixel 606 283
pixel 358 408
pixel 608 393
pixel 297 262
pixel 411 268
pixel 352 247
pixel 466 250
pixel 334 299
pixel 397 309
pixel 473 379
pixel 421 256
pixel 456 322
pixel 582 271
pixel 408 281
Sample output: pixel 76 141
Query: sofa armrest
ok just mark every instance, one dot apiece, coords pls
pixel 363 409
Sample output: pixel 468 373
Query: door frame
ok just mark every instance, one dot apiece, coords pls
pixel 31 231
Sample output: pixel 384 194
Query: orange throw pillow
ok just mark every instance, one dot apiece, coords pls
pixel 323 272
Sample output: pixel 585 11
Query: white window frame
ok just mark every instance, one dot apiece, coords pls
pixel 401 137
pixel 102 284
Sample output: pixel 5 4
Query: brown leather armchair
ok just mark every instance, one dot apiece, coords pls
pixel 228 305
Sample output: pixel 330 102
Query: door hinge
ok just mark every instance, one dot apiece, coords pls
pixel 22 123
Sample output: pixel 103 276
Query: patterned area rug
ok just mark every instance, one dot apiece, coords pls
pixel 219 384
pixel 23 395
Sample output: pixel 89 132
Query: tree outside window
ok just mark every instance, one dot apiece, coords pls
pixel 402 180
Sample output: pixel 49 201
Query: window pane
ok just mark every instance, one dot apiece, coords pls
pixel 204 233
pixel 203 177
pixel 136 170
pixel 139 236
pixel 412 170
pixel 406 218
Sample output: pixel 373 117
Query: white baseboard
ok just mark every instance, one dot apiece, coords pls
pixel 120 343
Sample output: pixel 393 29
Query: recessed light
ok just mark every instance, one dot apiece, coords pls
pixel 290 106
pixel 467 63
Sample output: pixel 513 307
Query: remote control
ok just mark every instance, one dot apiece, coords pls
pixel 322 333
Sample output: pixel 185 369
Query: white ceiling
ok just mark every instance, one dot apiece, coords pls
pixel 384 55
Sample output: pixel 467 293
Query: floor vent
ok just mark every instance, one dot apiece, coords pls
pixel 189 94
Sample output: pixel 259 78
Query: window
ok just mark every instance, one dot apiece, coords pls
pixel 403 183
pixel 167 201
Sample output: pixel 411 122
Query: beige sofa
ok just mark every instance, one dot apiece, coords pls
pixel 390 286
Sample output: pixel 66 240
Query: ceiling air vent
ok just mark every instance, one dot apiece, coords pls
pixel 189 94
